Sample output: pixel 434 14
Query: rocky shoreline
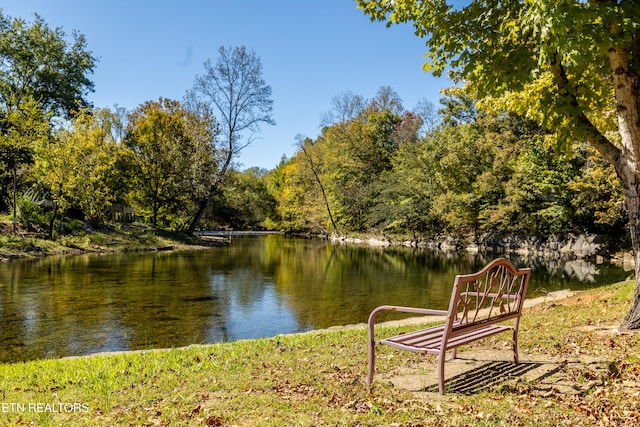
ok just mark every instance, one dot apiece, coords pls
pixel 568 247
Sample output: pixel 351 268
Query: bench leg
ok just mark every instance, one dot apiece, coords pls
pixel 372 362
pixel 441 357
pixel 515 347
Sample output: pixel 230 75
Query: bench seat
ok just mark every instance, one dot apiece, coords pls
pixel 430 340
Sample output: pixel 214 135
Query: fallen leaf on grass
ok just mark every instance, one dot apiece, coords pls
pixel 195 410
pixel 215 421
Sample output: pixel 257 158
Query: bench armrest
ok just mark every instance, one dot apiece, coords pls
pixel 414 310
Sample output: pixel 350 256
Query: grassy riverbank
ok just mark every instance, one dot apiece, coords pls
pixel 318 379
pixel 126 238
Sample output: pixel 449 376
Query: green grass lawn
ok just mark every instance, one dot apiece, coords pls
pixel 317 379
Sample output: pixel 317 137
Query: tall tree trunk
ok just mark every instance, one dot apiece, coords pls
pixel 14 170
pixel 204 204
pixel 317 177
pixel 625 160
pixel 626 82
pixel 52 222
pixel 632 319
pixel 56 207
pixel 202 208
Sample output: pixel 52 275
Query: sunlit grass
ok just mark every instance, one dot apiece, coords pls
pixel 128 237
pixel 16 246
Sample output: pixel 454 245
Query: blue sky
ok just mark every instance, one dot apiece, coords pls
pixel 311 51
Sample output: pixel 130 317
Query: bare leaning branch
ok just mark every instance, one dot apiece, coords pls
pixel 233 87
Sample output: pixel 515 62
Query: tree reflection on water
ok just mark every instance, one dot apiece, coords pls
pixel 258 286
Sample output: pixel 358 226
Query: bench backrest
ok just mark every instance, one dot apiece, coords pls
pixel 494 294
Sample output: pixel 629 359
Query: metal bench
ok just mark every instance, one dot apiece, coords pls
pixel 482 304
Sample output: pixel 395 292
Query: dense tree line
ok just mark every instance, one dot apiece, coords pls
pixel 376 167
pixel 68 163
pixel 377 171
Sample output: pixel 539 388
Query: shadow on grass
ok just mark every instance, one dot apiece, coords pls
pixel 489 375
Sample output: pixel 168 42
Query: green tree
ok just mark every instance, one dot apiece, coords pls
pixel 312 155
pixel 245 203
pixel 598 201
pixel 37 65
pixel 572 65
pixel 357 152
pixel 235 88
pixel 292 188
pixel 97 182
pixel 38 62
pixel 24 126
pixel 406 200
pixel 335 182
pixel 538 196
pixel 78 167
pixel 56 166
pixel 462 155
pixel 171 157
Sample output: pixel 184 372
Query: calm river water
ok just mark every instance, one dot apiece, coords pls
pixel 258 286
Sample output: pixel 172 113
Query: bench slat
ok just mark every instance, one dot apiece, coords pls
pixel 477 334
pixel 422 340
pixel 430 340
